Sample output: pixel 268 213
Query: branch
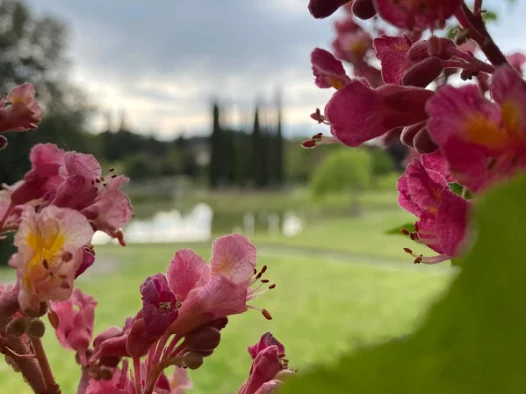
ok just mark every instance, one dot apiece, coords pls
pixel 84 381
pixel 51 386
pixel 478 32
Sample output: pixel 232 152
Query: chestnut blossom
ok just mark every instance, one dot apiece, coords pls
pixel 74 180
pixel 269 367
pixel 442 215
pixel 49 253
pixel 20 111
pixel 482 140
pixel 74 322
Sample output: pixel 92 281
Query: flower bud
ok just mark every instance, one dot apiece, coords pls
pixel 202 339
pixel 363 9
pixel 423 73
pixel 8 304
pixel 110 361
pixel 37 313
pixel 105 374
pixel 193 360
pixel 16 327
pixel 36 329
pixel 423 142
pixel 219 323
pixel 324 8
pixel 409 132
pixel 417 52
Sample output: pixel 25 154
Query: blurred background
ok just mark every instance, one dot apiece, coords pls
pixel 203 105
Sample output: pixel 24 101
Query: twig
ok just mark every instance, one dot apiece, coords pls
pixel 51 386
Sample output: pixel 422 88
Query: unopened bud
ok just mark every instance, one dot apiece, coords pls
pixel 423 73
pixel 36 329
pixel 8 304
pixel 409 132
pixel 284 375
pixel 16 327
pixel 417 52
pixel 325 8
pixel 219 323
pixel 41 311
pixel 105 374
pixel 363 9
pixel 110 361
pixel 203 339
pixel 423 142
pixel 193 360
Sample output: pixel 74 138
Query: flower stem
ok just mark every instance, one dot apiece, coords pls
pixel 153 377
pixel 51 386
pixel 478 32
pixel 137 374
pixel 84 381
pixel 28 366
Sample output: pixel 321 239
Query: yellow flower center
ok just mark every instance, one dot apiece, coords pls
pixel 47 244
pixel 485 132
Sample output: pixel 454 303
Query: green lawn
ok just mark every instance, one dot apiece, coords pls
pixel 320 307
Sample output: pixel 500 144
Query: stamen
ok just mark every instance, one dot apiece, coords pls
pixel 45 264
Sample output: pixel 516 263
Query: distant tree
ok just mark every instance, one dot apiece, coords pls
pixel 382 162
pixel 187 161
pixel 258 154
pixel 32 49
pixel 215 166
pixel 344 170
pixel 278 144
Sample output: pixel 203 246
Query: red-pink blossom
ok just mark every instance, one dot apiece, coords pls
pixel 442 215
pixel 417 14
pixel 352 43
pixel 74 180
pixel 119 383
pixel 75 322
pixel 357 113
pixel 178 383
pixel 328 71
pixel 219 290
pixel 483 141
pixel 391 51
pixel 50 251
pixel 269 366
pixel 22 111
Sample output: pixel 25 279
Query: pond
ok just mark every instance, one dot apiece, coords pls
pixel 201 222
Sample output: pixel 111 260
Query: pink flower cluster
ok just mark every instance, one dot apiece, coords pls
pixel 462 139
pixel 178 325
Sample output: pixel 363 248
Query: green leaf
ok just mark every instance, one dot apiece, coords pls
pixel 490 16
pixel 398 229
pixel 472 340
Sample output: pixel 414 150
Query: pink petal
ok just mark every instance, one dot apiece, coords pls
pixel 82 164
pixel 186 271
pixel 452 222
pixel 391 52
pixel 327 70
pixel 234 257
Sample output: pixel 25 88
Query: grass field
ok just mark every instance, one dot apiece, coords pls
pixel 321 307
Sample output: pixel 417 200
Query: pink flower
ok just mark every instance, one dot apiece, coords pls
pixel 517 60
pixel 266 340
pixel 443 215
pixel 176 384
pixel 268 368
pixel 417 14
pixel 219 290
pixel 357 113
pixel 483 141
pixel 325 8
pixel 49 253
pixel 327 70
pixel 43 178
pixel 119 383
pixel 22 112
pixel 352 43
pixel 111 343
pixel 75 322
pixel 391 51
pixel 74 180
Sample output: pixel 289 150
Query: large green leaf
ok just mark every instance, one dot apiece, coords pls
pixel 473 340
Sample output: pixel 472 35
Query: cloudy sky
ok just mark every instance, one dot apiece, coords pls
pixel 161 61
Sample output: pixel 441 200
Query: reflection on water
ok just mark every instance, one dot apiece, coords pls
pixel 198 225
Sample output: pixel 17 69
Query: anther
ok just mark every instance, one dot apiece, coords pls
pixel 407 250
pixel 267 314
pixel 272 286
pixel 405 231
pixel 45 264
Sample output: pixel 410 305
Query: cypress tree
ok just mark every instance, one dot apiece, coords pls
pixel 215 167
pixel 278 145
pixel 258 154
